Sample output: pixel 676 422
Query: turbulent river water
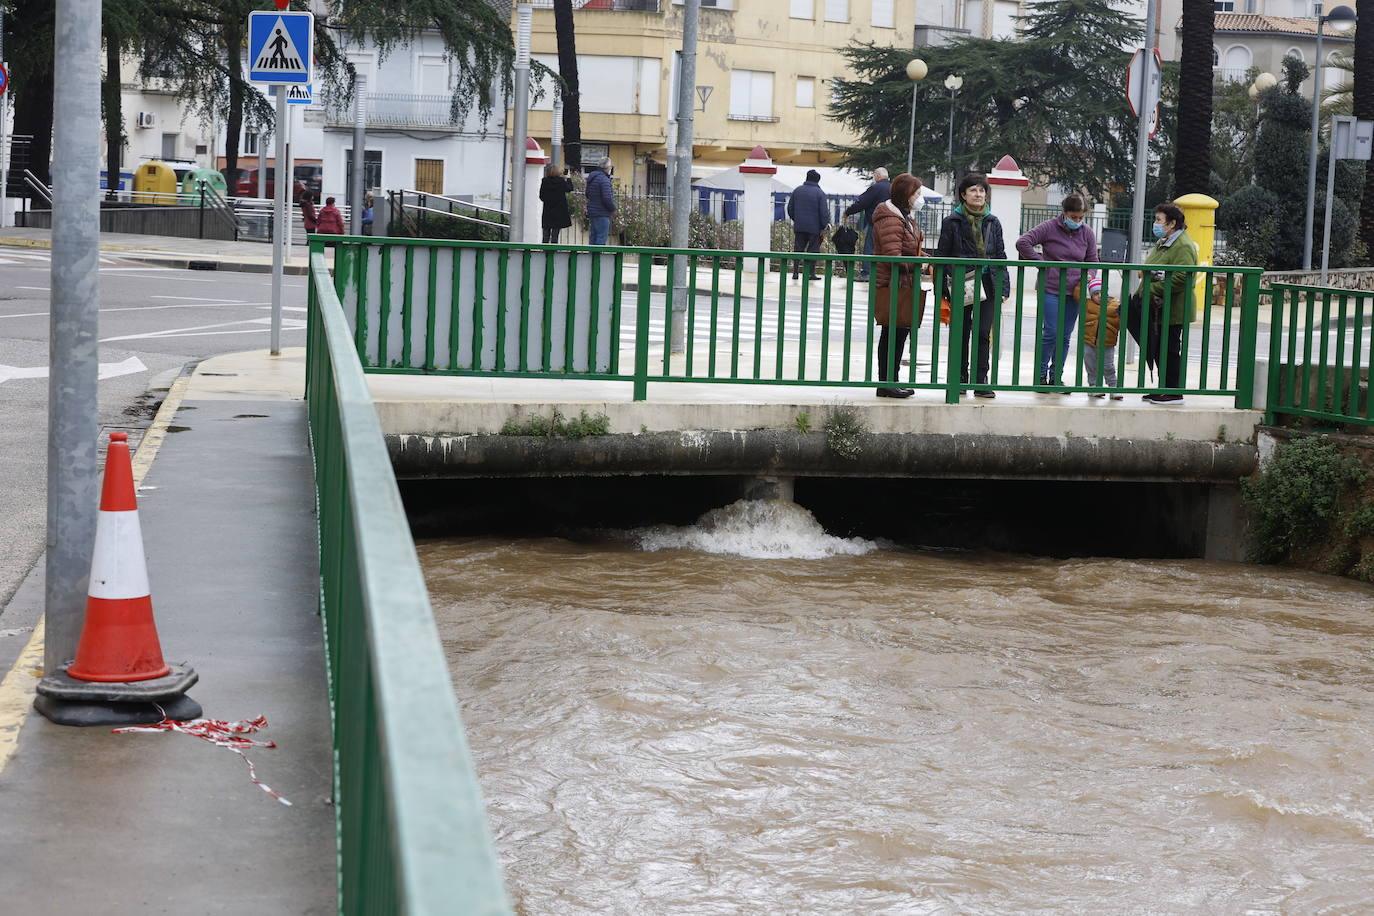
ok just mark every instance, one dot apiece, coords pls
pixel 751 716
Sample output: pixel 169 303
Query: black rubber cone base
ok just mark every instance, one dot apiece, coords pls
pixel 68 701
pixel 86 713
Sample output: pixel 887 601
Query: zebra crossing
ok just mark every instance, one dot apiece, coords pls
pixel 43 258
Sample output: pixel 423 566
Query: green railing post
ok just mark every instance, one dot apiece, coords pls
pixel 1245 351
pixel 955 367
pixel 646 279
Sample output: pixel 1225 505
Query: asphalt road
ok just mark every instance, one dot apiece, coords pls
pixel 153 322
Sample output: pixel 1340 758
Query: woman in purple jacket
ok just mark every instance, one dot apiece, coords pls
pixel 1065 238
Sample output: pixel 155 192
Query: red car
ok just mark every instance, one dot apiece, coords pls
pixel 248 184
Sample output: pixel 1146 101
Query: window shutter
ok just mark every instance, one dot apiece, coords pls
pixel 882 14
pixel 836 10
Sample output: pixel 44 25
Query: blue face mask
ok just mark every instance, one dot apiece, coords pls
pixel 1158 230
pixel 1072 223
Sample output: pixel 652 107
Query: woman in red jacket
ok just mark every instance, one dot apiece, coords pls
pixel 896 234
pixel 329 220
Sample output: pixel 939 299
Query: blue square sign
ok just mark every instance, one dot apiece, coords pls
pixel 280 47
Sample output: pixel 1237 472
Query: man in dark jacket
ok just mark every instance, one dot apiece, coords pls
pixel 879 191
pixel 600 202
pixel 809 210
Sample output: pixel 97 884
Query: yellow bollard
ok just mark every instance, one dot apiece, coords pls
pixel 1200 212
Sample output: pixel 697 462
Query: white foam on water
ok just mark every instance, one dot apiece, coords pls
pixel 759 528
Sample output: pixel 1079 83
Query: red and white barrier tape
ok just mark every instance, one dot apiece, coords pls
pixel 229 735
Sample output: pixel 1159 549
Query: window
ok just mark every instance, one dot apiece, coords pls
pixel 372 169
pixel 250 143
pixel 803 9
pixel 432 74
pixel 882 14
pixel 1216 58
pixel 609 84
pixel 836 10
pixel 751 95
pixel 429 175
pixel 1295 52
pixel 169 146
pixel 806 92
pixel 1224 6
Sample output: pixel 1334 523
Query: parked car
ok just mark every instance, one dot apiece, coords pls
pixel 248 184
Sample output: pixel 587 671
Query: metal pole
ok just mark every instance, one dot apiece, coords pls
pixel 520 132
pixel 74 325
pixel 911 135
pixel 262 164
pixel 1330 182
pixel 951 137
pixel 670 148
pixel 1142 136
pixel 357 190
pixel 281 223
pixel 556 132
pixel 4 141
pixel 682 171
pixel 1312 150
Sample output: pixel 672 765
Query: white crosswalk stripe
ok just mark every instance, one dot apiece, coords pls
pixel 42 258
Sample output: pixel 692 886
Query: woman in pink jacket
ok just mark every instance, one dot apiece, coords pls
pixel 330 220
pixel 1067 237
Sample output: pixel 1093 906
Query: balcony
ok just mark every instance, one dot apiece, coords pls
pixel 399 110
pixel 606 6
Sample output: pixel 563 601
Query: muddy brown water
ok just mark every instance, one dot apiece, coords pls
pixel 840 726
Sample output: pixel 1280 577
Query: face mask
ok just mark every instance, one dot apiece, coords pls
pixel 1158 230
pixel 1072 223
pixel 917 203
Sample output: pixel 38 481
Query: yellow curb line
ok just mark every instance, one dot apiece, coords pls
pixel 21 681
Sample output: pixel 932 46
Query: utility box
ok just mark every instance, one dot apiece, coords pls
pixel 153 179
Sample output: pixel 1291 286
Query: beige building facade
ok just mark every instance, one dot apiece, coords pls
pixel 764 76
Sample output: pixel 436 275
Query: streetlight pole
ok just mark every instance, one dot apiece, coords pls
pixel 953 84
pixel 916 71
pixel 1342 19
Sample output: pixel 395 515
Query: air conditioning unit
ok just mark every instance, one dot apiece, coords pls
pixel 147 119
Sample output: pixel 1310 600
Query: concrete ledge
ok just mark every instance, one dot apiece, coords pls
pixel 790 453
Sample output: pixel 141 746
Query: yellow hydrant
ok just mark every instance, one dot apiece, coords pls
pixel 1200 212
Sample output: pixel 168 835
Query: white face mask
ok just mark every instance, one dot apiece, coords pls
pixel 917 203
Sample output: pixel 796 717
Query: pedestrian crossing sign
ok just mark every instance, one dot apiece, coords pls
pixel 300 94
pixel 280 47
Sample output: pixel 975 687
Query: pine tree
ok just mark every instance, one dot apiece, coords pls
pixel 1054 100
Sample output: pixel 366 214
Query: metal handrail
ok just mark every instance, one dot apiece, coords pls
pixel 466 219
pixel 453 200
pixel 38 187
pixel 412 829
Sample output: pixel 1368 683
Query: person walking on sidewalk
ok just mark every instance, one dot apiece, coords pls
pixel 553 194
pixel 1066 237
pixel 600 201
pixel 308 215
pixel 897 235
pixel 971 231
pixel 329 220
pixel 809 210
pixel 877 193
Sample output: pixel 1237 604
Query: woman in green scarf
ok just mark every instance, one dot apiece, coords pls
pixel 971 231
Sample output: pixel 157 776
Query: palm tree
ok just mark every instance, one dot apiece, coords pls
pixel 567 69
pixel 1363 107
pixel 1193 139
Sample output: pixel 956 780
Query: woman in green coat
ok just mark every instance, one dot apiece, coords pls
pixel 1173 247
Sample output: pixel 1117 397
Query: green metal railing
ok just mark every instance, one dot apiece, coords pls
pixel 1320 351
pixel 547 311
pixel 412 829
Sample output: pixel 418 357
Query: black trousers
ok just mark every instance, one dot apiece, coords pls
pixel 881 355
pixel 805 241
pixel 987 314
pixel 551 235
pixel 1173 369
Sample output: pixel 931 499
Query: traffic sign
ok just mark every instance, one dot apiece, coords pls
pixel 4 79
pixel 300 94
pixel 280 47
pixel 1134 74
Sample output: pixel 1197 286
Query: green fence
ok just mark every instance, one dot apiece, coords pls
pixel 412 830
pixel 1320 351
pixel 546 311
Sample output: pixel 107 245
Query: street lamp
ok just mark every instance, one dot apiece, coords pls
pixel 1262 82
pixel 952 83
pixel 916 71
pixel 1341 19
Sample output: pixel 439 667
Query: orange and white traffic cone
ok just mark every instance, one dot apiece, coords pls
pixel 119 639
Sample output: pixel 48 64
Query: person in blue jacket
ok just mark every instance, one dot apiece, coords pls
pixel 879 191
pixel 600 201
pixel 809 210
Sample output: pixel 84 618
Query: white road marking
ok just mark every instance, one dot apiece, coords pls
pixel 145 308
pixel 129 366
pixel 206 330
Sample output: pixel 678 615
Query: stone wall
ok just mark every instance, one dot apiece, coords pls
pixel 1361 278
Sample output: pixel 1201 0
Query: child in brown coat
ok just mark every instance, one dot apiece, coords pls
pixel 1092 353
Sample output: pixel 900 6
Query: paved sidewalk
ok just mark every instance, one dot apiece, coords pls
pixel 170 251
pixel 166 823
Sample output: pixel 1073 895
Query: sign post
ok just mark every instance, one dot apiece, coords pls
pixel 1350 139
pixel 281 51
pixel 4 134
